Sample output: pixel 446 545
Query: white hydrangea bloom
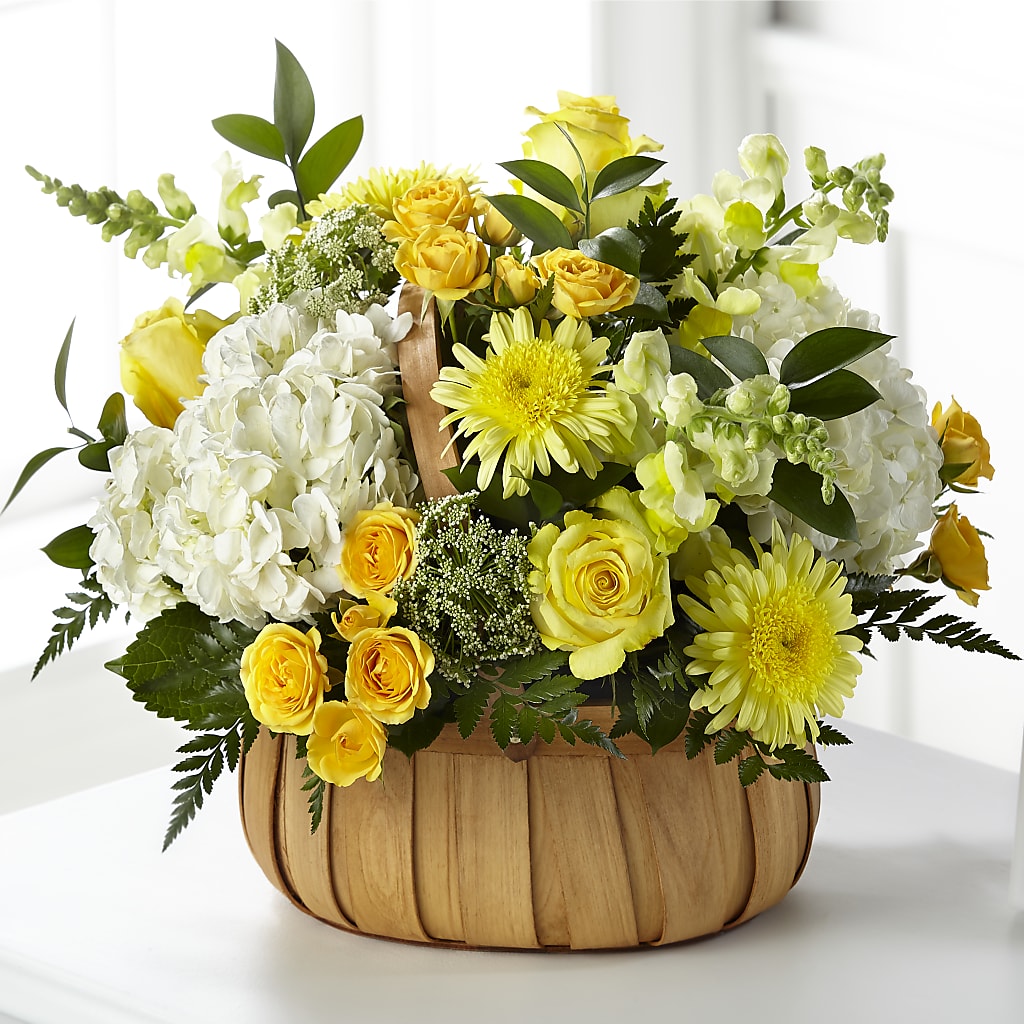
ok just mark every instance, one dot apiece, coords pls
pixel 888 459
pixel 260 473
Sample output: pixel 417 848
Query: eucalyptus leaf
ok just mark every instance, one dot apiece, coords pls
pixel 623 174
pixel 251 133
pixel 837 394
pixel 709 376
pixel 549 181
pixel 60 370
pixel 617 247
pixel 329 156
pixel 535 221
pixel 826 350
pixel 741 357
pixel 294 106
pixel 71 548
pixel 797 488
pixel 32 467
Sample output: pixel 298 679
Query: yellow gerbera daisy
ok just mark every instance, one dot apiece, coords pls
pixel 774 652
pixel 382 187
pixel 535 398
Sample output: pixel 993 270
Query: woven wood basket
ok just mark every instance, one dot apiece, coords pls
pixel 543 847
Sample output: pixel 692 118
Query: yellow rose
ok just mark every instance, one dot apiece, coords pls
pixel 378 548
pixel 599 590
pixel 601 134
pixel 162 358
pixel 522 283
pixel 583 286
pixel 386 673
pixel 957 546
pixel 351 618
pixel 347 744
pixel 962 443
pixel 447 262
pixel 285 676
pixel 495 228
pixel 430 203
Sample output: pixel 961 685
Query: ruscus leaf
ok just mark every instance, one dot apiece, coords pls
pixel 32 467
pixel 709 376
pixel 60 370
pixel 829 349
pixel 616 247
pixel 741 357
pixel 253 134
pixel 623 174
pixel 547 180
pixel 537 222
pixel 797 488
pixel 294 106
pixel 328 157
pixel 71 548
pixel 837 394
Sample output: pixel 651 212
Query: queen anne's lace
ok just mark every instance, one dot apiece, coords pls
pixel 240 508
pixel 887 461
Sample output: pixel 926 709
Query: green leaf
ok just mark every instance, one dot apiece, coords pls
pixel 294 107
pixel 94 605
pixel 797 488
pixel 577 489
pixel 741 357
pixel 697 735
pixel 548 501
pixel 550 688
pixel 750 769
pixel 623 174
pixel 419 732
pixel 616 247
pixel 592 734
pixel 532 667
pixel 71 548
pixel 504 715
pixel 284 195
pixel 826 350
pixel 837 394
pixel 328 157
pixel 469 708
pixel 60 370
pixel 537 222
pixel 709 376
pixel 649 304
pixel 113 424
pixel 666 725
pixel 317 789
pixel 549 181
pixel 730 745
pixel 830 736
pixel 251 133
pixel 96 456
pixel 797 765
pixel 32 467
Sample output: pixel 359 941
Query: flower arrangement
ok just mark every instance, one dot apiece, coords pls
pixel 690 478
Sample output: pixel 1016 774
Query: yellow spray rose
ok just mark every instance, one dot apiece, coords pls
pixel 962 443
pixel 599 589
pixel 347 744
pixel 387 672
pixel 957 546
pixel 430 203
pixel 494 227
pixel 378 548
pixel 162 358
pixel 285 676
pixel 447 262
pixel 601 134
pixel 521 282
pixel 584 286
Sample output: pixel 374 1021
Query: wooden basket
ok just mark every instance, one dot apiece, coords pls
pixel 545 847
pixel 567 848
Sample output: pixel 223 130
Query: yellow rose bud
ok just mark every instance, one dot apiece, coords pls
pixel 599 590
pixel 495 229
pixel 522 283
pixel 431 204
pixel 583 286
pixel 162 358
pixel 957 546
pixel 386 673
pixel 354 618
pixel 444 261
pixel 285 676
pixel 962 443
pixel 378 548
pixel 347 744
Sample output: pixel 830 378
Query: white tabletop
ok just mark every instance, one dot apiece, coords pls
pixel 902 914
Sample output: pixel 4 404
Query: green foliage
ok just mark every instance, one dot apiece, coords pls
pixel 661 261
pixel 708 376
pixel 617 247
pixel 896 613
pixel 546 180
pixel 283 140
pixel 741 357
pixel 70 549
pixel 623 174
pixel 837 394
pixel 313 785
pixel 92 605
pixel 797 488
pixel 830 736
pixel 537 222
pixel 829 349
pixel 729 744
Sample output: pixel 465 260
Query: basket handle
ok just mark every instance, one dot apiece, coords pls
pixel 419 362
